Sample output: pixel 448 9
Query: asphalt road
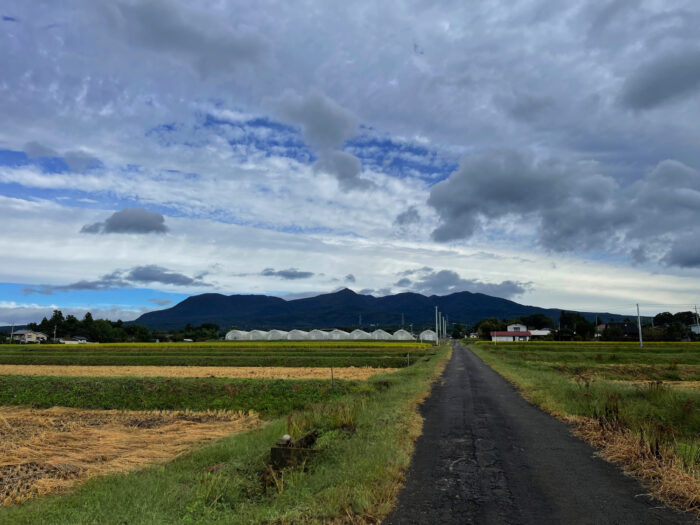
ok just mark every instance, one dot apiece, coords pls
pixel 488 456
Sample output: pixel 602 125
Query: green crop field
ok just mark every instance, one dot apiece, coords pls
pixel 651 393
pixel 379 354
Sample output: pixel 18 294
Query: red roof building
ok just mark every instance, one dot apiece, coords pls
pixel 510 336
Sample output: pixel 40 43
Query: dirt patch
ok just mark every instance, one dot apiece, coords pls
pixel 46 451
pixel 254 372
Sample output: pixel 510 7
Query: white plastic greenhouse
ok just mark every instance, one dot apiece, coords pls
pixel 402 335
pixel 382 335
pixel 277 335
pixel 258 335
pixel 318 335
pixel 360 334
pixel 428 335
pixel 297 335
pixel 339 334
pixel 237 335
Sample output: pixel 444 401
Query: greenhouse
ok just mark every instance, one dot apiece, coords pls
pixel 428 335
pixel 360 334
pixel 237 335
pixel 277 335
pixel 318 335
pixel 381 335
pixel 258 335
pixel 402 335
pixel 339 334
pixel 298 335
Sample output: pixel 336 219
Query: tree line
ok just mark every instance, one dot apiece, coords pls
pixel 106 331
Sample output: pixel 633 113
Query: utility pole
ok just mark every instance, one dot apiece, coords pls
pixel 639 326
pixel 54 332
pixel 697 320
pixel 12 332
pixel 437 332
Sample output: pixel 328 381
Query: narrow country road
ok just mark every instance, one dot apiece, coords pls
pixel 488 456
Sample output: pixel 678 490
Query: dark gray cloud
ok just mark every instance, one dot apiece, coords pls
pixel 159 301
pixel 349 278
pixel 325 125
pixel 80 161
pixel 35 150
pixel 136 276
pixel 288 274
pixel 663 79
pixel 210 44
pixel 445 282
pixel 574 208
pixel 129 220
pixel 407 217
pixel 685 251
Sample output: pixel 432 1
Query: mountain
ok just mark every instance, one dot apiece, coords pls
pixel 339 309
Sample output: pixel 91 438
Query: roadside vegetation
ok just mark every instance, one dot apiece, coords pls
pixel 640 406
pixel 365 434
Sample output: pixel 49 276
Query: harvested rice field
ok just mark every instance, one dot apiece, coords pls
pixel 48 451
pixel 253 372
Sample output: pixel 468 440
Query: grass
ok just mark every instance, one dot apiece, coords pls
pixel 657 423
pixel 269 397
pixel 365 444
pixel 269 353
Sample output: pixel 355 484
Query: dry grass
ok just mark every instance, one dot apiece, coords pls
pixel 46 451
pixel 253 372
pixel 661 470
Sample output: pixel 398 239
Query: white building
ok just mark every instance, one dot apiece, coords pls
pixel 511 335
pixel 544 332
pixel 517 328
pixel 428 335
pixel 339 334
pixel 360 334
pixel 402 335
pixel 258 335
pixel 237 335
pixel 381 335
pixel 318 335
pixel 298 335
pixel 277 335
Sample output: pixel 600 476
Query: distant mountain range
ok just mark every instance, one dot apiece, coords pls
pixel 344 308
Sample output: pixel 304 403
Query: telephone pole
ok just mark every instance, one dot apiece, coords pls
pixel 437 332
pixel 639 326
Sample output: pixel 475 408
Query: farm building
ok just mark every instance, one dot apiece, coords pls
pixel 277 335
pixel 298 335
pixel 237 335
pixel 258 335
pixel 428 335
pixel 381 335
pixel 402 335
pixel 523 335
pixel 360 334
pixel 318 335
pixel 339 334
pixel 28 336
pixel 544 332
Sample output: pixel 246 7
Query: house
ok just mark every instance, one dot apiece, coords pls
pixel 516 327
pixel 29 336
pixel 511 335
pixel 76 340
pixel 544 332
pixel 474 335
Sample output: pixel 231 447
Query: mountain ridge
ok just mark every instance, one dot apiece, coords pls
pixel 342 308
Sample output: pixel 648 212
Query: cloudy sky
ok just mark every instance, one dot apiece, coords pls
pixel 542 151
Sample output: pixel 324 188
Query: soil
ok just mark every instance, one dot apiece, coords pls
pixel 488 456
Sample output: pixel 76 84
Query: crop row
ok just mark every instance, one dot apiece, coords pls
pixel 272 397
pixel 311 345
pixel 166 360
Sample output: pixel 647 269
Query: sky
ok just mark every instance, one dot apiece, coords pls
pixel 544 152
